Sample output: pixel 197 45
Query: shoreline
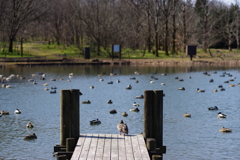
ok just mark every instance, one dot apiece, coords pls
pixel 132 62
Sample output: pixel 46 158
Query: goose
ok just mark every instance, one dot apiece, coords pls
pixel 122 128
pixel 213 108
pixel 17 111
pixel 182 88
pixel 223 129
pixel 86 102
pixel 30 136
pixel 200 90
pixel 4 112
pixel 129 87
pixel 113 111
pixel 29 125
pixel 139 97
pixel 95 121
pixel 136 104
pixel 134 110
pixel 124 114
pixel 109 102
pixel 221 115
pixel 187 115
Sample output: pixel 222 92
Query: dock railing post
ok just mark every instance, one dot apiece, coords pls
pixel 153 120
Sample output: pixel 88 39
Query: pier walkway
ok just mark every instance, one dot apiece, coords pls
pixel 110 147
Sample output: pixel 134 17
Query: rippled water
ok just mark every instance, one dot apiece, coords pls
pixel 197 137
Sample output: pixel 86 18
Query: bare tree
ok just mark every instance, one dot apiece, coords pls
pixel 19 14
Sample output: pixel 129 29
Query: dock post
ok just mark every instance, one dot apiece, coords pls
pixel 70 144
pixel 148 107
pixel 153 121
pixel 69 115
pixel 64 116
pixel 158 118
pixel 61 157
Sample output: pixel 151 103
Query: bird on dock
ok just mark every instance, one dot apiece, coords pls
pixel 122 128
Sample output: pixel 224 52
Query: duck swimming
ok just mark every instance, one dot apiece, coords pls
pixel 134 110
pixel 221 115
pixel 4 112
pixel 139 97
pixel 124 114
pixel 213 108
pixel 223 129
pixel 136 104
pixel 182 88
pixel 17 111
pixel 122 128
pixel 95 121
pixel 109 102
pixel 187 115
pixel 29 125
pixel 30 136
pixel 200 90
pixel 86 102
pixel 129 87
pixel 113 111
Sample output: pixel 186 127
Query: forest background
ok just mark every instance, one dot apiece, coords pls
pixel 144 28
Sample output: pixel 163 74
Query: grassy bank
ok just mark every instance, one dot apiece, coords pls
pixel 54 51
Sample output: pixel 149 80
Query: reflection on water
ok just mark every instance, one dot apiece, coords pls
pixel 197 137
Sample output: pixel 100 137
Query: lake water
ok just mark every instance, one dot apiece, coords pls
pixel 195 138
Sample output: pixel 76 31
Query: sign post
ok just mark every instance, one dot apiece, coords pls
pixel 191 50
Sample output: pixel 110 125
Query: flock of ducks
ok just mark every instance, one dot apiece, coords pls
pixel 220 114
pixel 5 84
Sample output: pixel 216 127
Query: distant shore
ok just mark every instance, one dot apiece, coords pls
pixel 154 62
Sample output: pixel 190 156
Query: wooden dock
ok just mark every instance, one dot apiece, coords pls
pixel 110 147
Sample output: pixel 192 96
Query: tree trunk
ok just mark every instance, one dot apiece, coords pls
pixel 166 38
pixel 10 48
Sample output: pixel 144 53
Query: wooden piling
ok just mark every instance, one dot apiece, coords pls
pixel 64 116
pixel 70 144
pixel 61 157
pixel 158 118
pixel 69 115
pixel 156 157
pixel 74 114
pixel 148 108
pixel 151 144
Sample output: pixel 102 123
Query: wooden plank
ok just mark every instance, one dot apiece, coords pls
pixel 129 149
pixel 78 148
pixel 114 147
pixel 93 147
pixel 136 148
pixel 121 148
pixel 100 147
pixel 86 147
pixel 143 148
pixel 107 147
